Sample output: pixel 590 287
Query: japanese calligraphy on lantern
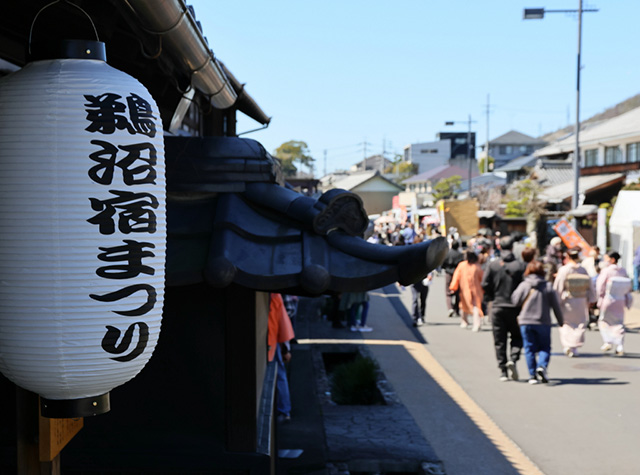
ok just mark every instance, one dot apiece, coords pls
pixel 124 210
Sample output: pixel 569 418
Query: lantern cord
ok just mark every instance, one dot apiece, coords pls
pixel 155 55
pixel 53 3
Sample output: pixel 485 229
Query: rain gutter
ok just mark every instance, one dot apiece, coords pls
pixel 182 38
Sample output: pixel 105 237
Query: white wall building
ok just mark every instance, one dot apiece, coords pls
pixel 428 155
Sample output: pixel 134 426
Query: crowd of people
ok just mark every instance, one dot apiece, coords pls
pixel 506 282
pixel 496 280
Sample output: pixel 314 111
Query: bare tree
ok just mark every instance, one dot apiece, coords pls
pixel 488 198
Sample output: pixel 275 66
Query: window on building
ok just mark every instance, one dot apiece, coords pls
pixel 503 149
pixel 529 149
pixel 612 155
pixel 591 157
pixel 429 150
pixel 633 152
pixel 460 141
pixel 523 149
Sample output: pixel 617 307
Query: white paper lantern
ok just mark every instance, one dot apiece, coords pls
pixel 82 231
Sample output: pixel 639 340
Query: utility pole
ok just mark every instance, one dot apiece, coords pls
pixel 384 154
pixel 486 147
pixel 469 153
pixel 364 161
pixel 537 14
pixel 325 162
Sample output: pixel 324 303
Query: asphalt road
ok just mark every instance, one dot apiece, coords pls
pixel 585 421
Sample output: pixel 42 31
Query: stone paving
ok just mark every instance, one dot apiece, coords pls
pixel 363 439
pixel 380 438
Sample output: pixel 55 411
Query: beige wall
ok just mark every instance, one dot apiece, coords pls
pixel 376 202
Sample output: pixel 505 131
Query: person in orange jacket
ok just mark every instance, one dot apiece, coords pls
pixel 467 281
pixel 279 334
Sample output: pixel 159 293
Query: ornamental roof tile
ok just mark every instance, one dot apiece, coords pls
pixel 224 229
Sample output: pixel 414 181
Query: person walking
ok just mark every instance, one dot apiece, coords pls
pixel 636 270
pixel 280 333
pixel 536 297
pixel 419 293
pixel 467 281
pixel 408 233
pixel 451 261
pixel 356 306
pixel 613 288
pixel 502 277
pixel 592 265
pixel 573 285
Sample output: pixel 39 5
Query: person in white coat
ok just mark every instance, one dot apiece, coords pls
pixel 575 289
pixel 613 288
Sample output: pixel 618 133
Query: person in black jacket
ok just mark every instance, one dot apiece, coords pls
pixel 501 278
pixel 451 261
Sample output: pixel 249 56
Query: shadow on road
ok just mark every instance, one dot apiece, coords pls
pixel 393 294
pixel 587 381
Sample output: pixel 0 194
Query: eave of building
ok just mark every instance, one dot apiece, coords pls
pixel 156 41
pixel 231 222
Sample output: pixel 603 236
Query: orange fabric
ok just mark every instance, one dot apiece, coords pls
pixel 279 326
pixel 467 279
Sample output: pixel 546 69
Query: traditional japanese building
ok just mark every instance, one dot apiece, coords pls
pixel 236 232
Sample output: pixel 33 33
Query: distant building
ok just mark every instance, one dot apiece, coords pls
pixel 428 155
pixel 374 162
pixel 375 190
pixel 608 146
pixel 449 149
pixel 460 143
pixel 511 145
pixel 422 184
pixel 518 168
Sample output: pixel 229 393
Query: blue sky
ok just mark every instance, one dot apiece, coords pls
pixel 338 74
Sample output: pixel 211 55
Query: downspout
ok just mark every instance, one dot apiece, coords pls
pixel 182 38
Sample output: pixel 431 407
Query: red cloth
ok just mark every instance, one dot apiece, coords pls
pixel 280 329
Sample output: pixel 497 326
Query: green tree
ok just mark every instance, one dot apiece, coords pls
pixel 291 152
pixel 405 170
pixel 523 200
pixel 482 164
pixel 516 209
pixel 395 163
pixel 401 169
pixel 447 188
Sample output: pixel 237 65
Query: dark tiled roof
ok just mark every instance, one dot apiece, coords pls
pixel 516 138
pixel 518 164
pixel 263 236
pixel 553 172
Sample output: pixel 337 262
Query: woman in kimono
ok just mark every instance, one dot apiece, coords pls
pixel 575 289
pixel 613 288
pixel 467 280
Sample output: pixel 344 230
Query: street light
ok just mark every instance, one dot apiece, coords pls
pixel 538 14
pixel 469 122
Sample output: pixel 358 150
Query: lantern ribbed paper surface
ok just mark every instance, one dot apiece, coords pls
pixel 82 227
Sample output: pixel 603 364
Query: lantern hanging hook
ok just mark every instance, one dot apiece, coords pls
pixel 53 3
